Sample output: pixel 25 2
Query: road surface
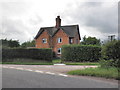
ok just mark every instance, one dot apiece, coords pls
pixel 26 77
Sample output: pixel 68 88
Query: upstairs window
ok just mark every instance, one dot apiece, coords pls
pixel 44 40
pixel 59 40
pixel 59 50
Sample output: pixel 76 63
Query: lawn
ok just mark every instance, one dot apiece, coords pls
pixel 97 72
pixel 54 61
pixel 32 62
pixel 75 63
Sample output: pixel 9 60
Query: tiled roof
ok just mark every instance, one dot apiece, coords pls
pixel 70 30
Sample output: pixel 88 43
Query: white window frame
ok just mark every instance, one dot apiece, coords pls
pixel 58 40
pixel 44 40
pixel 58 50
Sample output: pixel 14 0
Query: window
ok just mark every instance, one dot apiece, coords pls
pixel 44 40
pixel 70 40
pixel 59 40
pixel 59 50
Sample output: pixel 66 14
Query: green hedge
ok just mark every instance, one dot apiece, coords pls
pixel 81 53
pixel 40 54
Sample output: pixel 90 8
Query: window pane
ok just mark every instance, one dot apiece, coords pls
pixel 44 40
pixel 59 40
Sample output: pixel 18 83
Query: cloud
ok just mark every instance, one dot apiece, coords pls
pixel 100 16
pixel 22 20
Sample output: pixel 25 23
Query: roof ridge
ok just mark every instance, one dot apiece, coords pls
pixel 60 26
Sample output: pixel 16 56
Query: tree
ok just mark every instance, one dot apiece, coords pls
pixel 10 43
pixel 90 41
pixel 28 44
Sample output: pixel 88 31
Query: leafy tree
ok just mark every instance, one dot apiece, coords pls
pixel 28 44
pixel 111 50
pixel 111 53
pixel 10 43
pixel 90 41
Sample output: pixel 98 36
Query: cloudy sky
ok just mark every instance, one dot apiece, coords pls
pixel 21 19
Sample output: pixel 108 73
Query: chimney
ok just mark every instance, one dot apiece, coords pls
pixel 58 22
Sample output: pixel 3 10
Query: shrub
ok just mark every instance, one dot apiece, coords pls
pixel 40 54
pixel 80 53
pixel 111 51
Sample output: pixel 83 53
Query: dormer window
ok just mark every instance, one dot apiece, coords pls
pixel 59 40
pixel 44 40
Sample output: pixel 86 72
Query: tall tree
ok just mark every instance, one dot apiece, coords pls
pixel 90 41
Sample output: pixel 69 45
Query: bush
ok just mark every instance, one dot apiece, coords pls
pixel 111 53
pixel 40 54
pixel 80 53
pixel 111 50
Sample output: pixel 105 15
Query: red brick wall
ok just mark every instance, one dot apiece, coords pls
pixel 40 44
pixel 52 42
pixel 65 40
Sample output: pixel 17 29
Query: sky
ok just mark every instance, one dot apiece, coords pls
pixel 22 19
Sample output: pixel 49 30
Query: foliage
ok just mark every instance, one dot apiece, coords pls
pixel 10 43
pixel 98 72
pixel 90 41
pixel 40 54
pixel 28 44
pixel 80 53
pixel 111 53
pixel 111 50
pixel 109 63
pixel 28 63
pixel 56 61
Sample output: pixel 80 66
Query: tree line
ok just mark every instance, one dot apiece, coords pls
pixel 16 44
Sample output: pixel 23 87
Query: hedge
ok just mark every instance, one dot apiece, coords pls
pixel 81 53
pixel 40 54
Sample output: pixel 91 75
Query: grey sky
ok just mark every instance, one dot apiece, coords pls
pixel 22 20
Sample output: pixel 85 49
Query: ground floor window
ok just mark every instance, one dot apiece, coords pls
pixel 59 51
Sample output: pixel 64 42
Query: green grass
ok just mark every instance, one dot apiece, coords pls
pixel 97 72
pixel 56 61
pixel 82 63
pixel 38 62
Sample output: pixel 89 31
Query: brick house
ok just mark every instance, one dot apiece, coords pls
pixel 55 37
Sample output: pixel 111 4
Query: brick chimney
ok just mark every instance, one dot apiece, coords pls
pixel 58 22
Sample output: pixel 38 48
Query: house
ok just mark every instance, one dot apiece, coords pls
pixel 55 37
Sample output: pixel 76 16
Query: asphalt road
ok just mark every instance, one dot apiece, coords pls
pixel 18 78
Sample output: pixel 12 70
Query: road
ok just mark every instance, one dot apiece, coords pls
pixel 32 78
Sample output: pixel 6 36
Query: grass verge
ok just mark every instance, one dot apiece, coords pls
pixel 82 63
pixel 97 72
pixel 38 62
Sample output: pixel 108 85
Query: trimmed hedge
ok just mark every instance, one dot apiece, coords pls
pixel 81 53
pixel 40 54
